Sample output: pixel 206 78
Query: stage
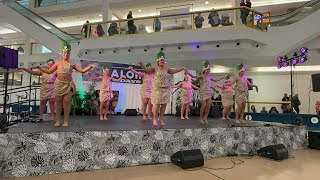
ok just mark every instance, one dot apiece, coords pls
pixel 31 149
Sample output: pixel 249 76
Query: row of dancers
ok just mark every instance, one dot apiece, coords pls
pixel 58 87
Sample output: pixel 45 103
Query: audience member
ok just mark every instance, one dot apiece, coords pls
pixel 243 13
pixel 131 27
pixel 157 25
pixel 214 19
pixel 86 30
pixel 198 20
pixel 273 110
pixel 113 29
pixel 285 99
pixel 317 107
pixel 264 110
pixel 100 31
pixel 296 103
pixel 253 108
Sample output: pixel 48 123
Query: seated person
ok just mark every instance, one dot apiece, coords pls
pixel 273 110
pixel 264 110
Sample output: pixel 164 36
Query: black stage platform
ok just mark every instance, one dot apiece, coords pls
pixel 129 123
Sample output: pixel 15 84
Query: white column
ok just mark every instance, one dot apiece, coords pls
pixel 236 13
pixel 27 50
pixel 106 15
pixel 32 4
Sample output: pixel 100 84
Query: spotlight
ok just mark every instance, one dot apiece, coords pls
pixel 279 58
pixel 86 52
pixel 218 45
pixel 303 50
pixel 129 50
pixel 40 64
pixel 145 50
pixel 238 44
pixel 100 52
pixel 179 47
pixel 257 45
pixel 114 51
pixel 161 49
pixel 198 46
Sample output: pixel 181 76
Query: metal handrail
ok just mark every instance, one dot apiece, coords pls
pixel 299 8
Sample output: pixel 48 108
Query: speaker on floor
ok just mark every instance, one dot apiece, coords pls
pixel 251 81
pixel 315 82
pixel 131 112
pixel 3 123
pixel 314 140
pixel 275 152
pixel 188 159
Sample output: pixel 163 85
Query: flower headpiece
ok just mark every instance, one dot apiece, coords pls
pixel 148 65
pixel 65 46
pixel 159 55
pixel 240 68
pixel 205 65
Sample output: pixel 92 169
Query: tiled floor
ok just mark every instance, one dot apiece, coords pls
pixel 125 123
pixel 304 166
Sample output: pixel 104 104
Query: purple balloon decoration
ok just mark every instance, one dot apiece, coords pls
pixel 279 66
pixel 302 59
pixel 303 50
pixel 285 64
pixel 294 61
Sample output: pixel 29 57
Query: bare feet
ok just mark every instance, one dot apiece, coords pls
pixel 206 121
pixel 144 118
pixel 242 121
pixel 202 121
pixel 155 122
pixel 149 117
pixel 162 123
pixel 187 117
pixel 238 121
pixel 101 117
pixel 224 119
pixel 105 118
pixel 57 124
pixel 65 124
pixel 182 117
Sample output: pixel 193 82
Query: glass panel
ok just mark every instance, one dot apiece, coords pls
pixel 36 80
pixel 15 78
pixel 43 3
pixel 39 49
pixel 40 21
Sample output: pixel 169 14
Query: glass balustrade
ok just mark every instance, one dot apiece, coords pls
pixel 241 16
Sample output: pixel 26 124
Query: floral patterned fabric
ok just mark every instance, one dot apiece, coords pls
pixel 186 93
pixel 146 85
pixel 105 93
pixel 160 87
pixel 205 88
pixel 47 86
pixel 33 154
pixel 242 93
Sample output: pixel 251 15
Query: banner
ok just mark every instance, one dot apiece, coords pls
pixel 115 70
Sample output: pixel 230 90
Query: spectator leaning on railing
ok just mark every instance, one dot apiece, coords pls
pixel 317 107
pixel 198 20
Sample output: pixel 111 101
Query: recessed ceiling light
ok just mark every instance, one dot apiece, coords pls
pixel 100 15
pixel 139 10
pixel 207 2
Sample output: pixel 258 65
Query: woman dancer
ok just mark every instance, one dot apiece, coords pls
pixel 205 91
pixel 105 94
pixel 64 86
pixel 160 86
pixel 226 98
pixel 242 94
pixel 185 95
pixel 145 91
pixel 47 89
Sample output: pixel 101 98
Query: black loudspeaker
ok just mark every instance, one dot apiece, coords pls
pixel 188 159
pixel 275 152
pixel 131 112
pixel 8 57
pixel 315 82
pixel 314 140
pixel 3 123
pixel 251 81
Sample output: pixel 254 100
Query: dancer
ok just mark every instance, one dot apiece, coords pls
pixel 105 94
pixel 185 95
pixel 64 86
pixel 47 89
pixel 145 91
pixel 205 91
pixel 226 98
pixel 160 86
pixel 242 93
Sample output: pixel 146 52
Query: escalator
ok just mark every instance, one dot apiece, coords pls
pixel 29 22
pixel 296 15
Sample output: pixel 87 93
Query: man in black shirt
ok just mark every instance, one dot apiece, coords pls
pixel 296 103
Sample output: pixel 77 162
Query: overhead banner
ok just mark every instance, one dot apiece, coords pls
pixel 116 70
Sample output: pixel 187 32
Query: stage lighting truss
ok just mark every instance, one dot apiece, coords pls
pixel 297 58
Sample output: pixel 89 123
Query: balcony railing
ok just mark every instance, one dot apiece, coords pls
pixel 241 16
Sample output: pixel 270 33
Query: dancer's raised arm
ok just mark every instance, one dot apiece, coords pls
pixel 135 72
pixel 37 73
pixel 147 69
pixel 177 85
pixel 83 70
pixel 94 77
pixel 45 70
pixel 175 70
pixel 118 79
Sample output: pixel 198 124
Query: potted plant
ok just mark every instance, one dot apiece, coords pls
pixel 90 101
pixel 77 102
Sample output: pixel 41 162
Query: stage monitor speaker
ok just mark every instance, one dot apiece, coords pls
pixel 131 112
pixel 251 81
pixel 8 57
pixel 3 123
pixel 188 159
pixel 314 140
pixel 276 152
pixel 315 82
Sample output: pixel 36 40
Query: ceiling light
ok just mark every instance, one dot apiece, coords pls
pixel 139 10
pixel 207 2
pixel 100 15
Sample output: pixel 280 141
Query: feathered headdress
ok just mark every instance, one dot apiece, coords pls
pixel 65 46
pixel 148 64
pixel 205 65
pixel 159 55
